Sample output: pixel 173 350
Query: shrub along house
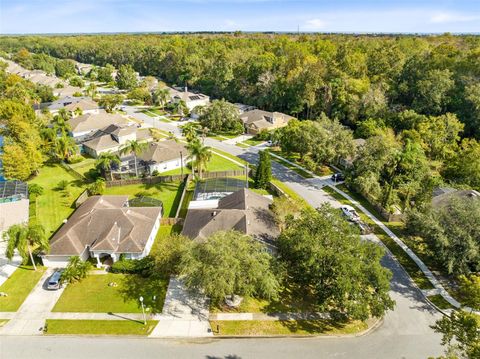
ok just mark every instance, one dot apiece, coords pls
pixel 104 228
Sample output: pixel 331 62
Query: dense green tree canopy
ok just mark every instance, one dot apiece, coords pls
pixel 229 263
pixel 324 255
pixel 221 117
pixel 453 232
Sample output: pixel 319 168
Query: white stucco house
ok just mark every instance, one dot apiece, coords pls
pixel 105 227
pixel 164 156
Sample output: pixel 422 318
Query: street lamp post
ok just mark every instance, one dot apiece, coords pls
pixel 143 311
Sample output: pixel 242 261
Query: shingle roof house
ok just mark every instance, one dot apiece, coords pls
pixel 88 123
pixel 245 211
pixel 256 121
pixel 191 99
pixel 105 226
pixel 112 137
pixel 164 156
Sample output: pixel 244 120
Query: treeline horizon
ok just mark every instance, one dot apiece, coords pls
pixel 349 77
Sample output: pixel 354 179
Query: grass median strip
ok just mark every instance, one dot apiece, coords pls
pixel 410 266
pixel 292 167
pixel 18 286
pixel 440 302
pixel 285 327
pixel 99 327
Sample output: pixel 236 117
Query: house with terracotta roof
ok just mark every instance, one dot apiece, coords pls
pixel 256 121
pixel 105 227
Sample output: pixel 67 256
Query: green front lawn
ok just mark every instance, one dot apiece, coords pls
pixel 289 192
pixel 233 157
pixel 94 295
pixel 99 327
pixel 18 286
pixel 54 205
pixel 254 142
pixel 169 193
pixel 286 327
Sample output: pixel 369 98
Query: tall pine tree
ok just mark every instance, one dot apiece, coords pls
pixel 263 174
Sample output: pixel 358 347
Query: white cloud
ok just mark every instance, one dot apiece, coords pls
pixel 230 23
pixel 315 24
pixel 445 17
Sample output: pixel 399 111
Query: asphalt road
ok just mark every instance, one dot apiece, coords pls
pixel 405 332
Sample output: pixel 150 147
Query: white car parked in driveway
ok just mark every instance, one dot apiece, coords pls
pixel 350 213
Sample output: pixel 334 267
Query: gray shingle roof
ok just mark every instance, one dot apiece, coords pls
pixel 243 210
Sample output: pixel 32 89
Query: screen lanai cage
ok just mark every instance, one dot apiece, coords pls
pixel 215 188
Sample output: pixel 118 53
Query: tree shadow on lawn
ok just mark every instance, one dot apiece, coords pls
pixel 313 326
pixel 153 290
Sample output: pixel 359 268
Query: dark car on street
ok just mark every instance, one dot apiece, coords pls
pixel 337 177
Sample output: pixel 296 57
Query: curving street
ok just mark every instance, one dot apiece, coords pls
pixel 404 333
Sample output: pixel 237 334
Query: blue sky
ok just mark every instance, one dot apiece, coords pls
pixel 67 16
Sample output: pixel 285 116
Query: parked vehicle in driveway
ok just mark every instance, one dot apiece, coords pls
pixel 336 177
pixel 350 213
pixel 54 282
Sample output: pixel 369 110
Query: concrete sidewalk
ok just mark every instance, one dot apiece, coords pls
pixel 183 315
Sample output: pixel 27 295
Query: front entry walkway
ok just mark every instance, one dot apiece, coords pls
pixel 30 317
pixel 7 267
pixel 183 315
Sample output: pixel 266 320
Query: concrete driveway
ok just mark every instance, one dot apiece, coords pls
pixel 30 318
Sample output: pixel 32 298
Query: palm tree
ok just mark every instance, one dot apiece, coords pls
pixel 189 131
pixel 106 160
pixel 199 154
pixel 134 147
pixel 180 108
pixel 161 96
pixel 23 238
pixel 92 90
pixel 65 146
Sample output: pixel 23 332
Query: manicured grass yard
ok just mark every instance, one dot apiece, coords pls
pixel 18 286
pixel 84 167
pixel 53 206
pixel 169 193
pixel 216 163
pixel 300 171
pixel 99 327
pixel 286 327
pixel 93 295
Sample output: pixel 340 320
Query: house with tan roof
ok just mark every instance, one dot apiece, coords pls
pixel 89 123
pixel 105 227
pixel 67 90
pixel 244 211
pixel 256 121
pixel 113 137
pixel 164 156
